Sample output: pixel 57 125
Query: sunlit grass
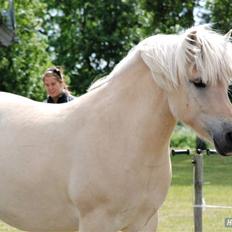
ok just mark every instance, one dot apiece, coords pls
pixel 176 215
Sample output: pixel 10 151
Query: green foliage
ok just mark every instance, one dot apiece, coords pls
pixel 22 64
pixel 220 14
pixel 90 37
pixel 168 16
pixel 183 137
pixel 87 38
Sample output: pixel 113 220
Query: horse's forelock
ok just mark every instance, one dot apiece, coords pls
pixel 170 56
pixel 209 51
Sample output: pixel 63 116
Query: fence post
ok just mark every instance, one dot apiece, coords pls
pixel 198 194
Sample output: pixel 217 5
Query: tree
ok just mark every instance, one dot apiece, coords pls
pixel 90 37
pixel 87 37
pixel 22 64
pixel 220 14
pixel 167 16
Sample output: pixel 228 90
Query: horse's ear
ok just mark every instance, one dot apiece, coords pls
pixel 193 51
pixel 193 47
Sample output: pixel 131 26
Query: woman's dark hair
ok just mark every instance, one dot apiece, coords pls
pixel 55 71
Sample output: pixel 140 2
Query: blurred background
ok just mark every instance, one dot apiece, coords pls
pixel 87 37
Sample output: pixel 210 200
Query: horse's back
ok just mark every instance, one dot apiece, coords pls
pixel 14 104
pixel 6 98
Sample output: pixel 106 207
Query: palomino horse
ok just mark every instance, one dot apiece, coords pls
pixel 101 162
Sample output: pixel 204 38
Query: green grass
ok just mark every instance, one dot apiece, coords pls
pixel 176 214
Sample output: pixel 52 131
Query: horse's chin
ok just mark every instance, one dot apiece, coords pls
pixel 222 149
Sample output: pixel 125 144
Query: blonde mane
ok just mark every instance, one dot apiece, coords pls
pixel 169 56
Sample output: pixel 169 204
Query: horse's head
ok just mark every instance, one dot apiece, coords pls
pixel 200 100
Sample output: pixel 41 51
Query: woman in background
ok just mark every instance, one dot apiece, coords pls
pixel 55 86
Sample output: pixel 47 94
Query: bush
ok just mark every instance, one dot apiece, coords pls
pixel 183 137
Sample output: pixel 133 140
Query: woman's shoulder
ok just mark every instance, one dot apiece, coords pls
pixel 70 97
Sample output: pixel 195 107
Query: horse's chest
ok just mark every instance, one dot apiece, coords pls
pixel 145 202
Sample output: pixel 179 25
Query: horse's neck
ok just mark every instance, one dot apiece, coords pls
pixel 144 103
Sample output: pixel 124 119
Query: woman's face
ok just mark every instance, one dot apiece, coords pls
pixel 53 87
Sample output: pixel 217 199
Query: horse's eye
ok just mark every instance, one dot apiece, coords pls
pixel 199 83
pixel 230 92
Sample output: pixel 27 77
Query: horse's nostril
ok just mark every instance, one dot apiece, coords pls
pixel 229 137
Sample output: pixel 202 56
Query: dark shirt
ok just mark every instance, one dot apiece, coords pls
pixel 62 99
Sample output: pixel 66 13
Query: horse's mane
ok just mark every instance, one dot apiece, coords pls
pixel 169 56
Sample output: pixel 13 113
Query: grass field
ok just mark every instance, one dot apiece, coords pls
pixel 176 215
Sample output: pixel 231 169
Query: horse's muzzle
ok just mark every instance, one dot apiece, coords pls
pixel 223 142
